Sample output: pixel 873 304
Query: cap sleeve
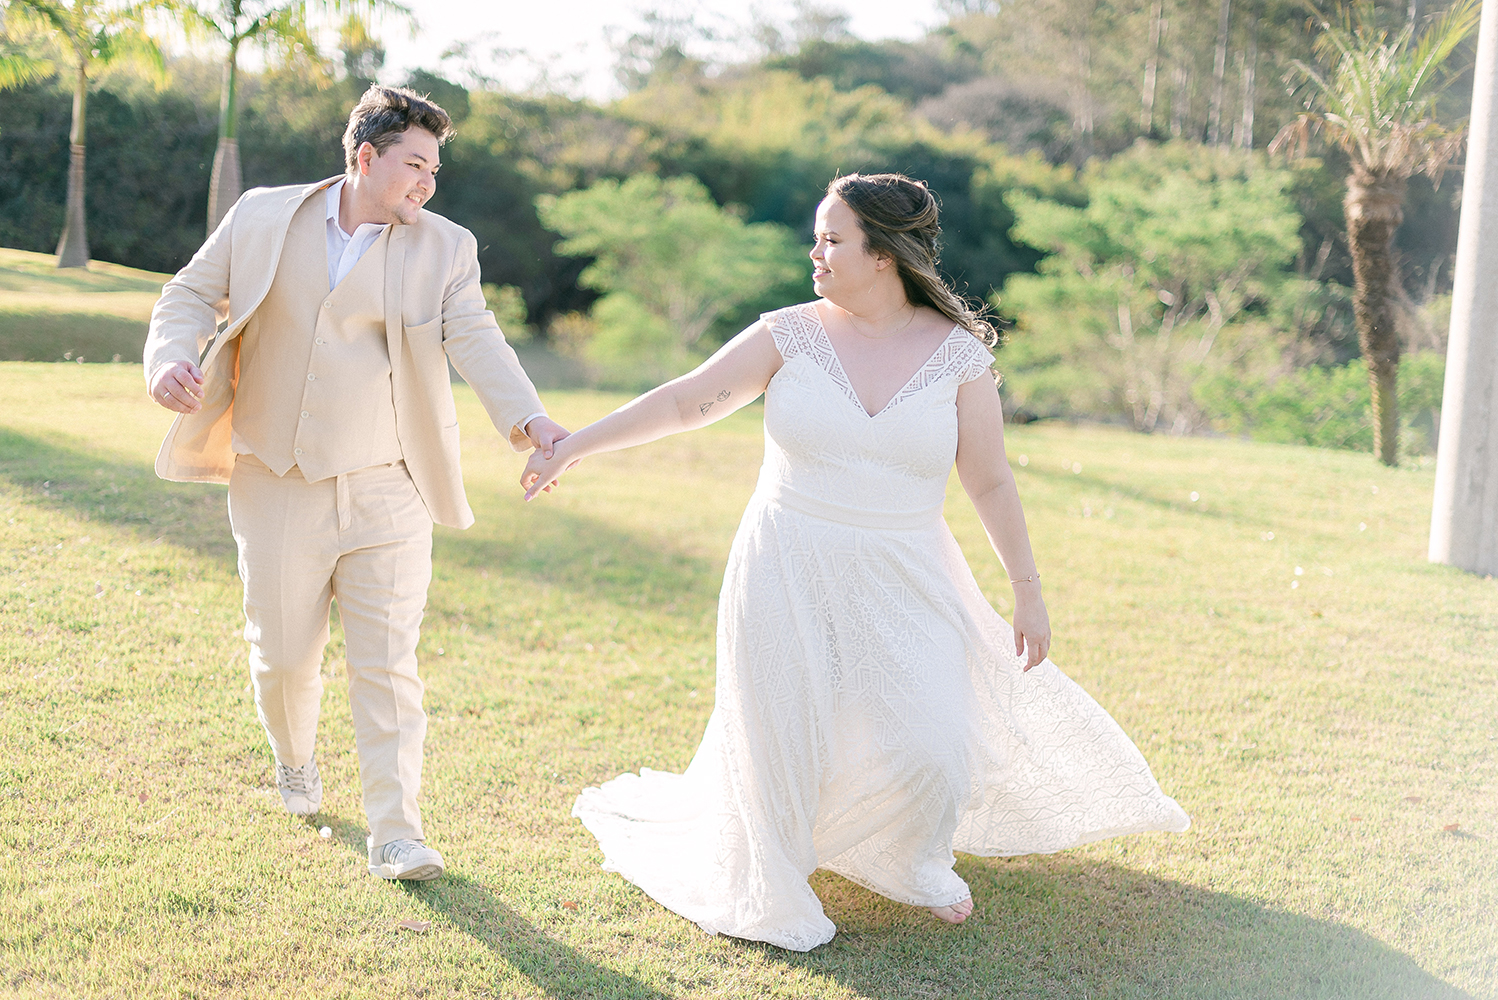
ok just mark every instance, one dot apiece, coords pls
pixel 977 364
pixel 794 329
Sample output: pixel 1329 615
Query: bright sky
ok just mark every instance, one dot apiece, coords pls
pixel 564 44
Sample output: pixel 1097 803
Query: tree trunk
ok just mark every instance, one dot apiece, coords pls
pixel 1219 74
pixel 1180 104
pixel 72 248
pixel 1375 207
pixel 225 186
pixel 1082 122
pixel 1464 510
pixel 227 182
pixel 1245 136
pixel 1151 69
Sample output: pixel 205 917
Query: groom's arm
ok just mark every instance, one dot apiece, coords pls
pixel 479 352
pixel 185 319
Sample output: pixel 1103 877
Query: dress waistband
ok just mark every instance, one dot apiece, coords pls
pixel 779 493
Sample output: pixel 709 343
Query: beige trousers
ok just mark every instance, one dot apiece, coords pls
pixel 365 538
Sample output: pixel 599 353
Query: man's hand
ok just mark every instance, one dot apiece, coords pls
pixel 179 386
pixel 544 433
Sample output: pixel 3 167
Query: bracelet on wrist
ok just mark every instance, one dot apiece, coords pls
pixel 1033 578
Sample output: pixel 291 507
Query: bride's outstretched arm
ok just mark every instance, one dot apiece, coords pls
pixel 731 378
pixel 988 480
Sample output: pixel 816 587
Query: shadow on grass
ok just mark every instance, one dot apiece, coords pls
pixel 575 552
pixel 1061 927
pixel 591 556
pixel 61 336
pixel 1127 491
pixel 557 970
pixel 99 486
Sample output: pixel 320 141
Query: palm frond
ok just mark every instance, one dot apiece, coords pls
pixel 1376 97
pixel 19 70
pixel 132 45
pixel 55 16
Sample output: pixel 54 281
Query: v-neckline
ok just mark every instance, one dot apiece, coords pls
pixel 842 373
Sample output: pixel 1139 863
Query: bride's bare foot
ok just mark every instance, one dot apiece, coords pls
pixel 954 914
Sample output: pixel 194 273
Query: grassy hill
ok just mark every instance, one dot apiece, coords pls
pixel 99 314
pixel 102 314
pixel 1261 619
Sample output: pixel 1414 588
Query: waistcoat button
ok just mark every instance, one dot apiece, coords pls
pixel 305 414
pixel 311 377
pixel 296 451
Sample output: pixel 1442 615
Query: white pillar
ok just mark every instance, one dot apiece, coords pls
pixel 1464 516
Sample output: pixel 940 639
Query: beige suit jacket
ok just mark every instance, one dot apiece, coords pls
pixel 434 310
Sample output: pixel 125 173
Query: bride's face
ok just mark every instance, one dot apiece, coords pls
pixel 840 264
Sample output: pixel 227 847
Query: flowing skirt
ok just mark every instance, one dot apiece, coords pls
pixel 871 718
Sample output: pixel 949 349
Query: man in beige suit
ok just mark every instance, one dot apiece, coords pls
pixel 324 403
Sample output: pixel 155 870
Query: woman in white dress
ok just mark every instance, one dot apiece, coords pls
pixel 873 713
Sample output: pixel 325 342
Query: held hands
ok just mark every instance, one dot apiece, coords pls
pixel 1032 625
pixel 179 387
pixel 544 433
pixel 544 468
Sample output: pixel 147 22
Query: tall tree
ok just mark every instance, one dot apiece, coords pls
pixel 92 34
pixel 1375 97
pixel 278 26
pixel 1219 74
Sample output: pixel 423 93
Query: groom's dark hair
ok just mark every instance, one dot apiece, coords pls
pixel 383 113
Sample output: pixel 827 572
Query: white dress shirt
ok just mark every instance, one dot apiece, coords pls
pixel 344 250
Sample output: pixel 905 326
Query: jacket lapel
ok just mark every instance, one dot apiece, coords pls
pixel 270 260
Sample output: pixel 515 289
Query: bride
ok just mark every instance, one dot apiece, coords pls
pixel 873 713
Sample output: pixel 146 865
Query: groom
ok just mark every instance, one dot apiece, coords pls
pixel 325 404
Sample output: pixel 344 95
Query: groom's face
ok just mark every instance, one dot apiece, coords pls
pixel 404 177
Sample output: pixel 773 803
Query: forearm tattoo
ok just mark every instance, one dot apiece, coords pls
pixel 704 407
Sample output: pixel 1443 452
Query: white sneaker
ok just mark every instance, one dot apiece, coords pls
pixel 301 787
pixel 410 860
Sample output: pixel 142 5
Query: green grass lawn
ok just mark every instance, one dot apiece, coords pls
pixel 98 314
pixel 1320 699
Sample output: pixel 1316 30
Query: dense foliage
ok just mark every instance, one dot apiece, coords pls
pixel 1091 160
pixel 669 263
pixel 1178 266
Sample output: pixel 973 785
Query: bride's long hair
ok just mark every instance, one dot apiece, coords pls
pixel 900 221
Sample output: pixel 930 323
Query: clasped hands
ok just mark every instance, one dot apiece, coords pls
pixel 546 464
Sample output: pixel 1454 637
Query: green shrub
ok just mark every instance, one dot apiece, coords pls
pixel 507 303
pixel 669 263
pixel 1327 406
pixel 1176 270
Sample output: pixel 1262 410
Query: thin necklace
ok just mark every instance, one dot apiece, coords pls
pixel 892 333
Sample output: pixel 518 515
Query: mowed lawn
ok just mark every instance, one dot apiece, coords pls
pixel 1261 619
pixel 97 314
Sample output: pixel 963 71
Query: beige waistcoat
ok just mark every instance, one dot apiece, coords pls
pixel 334 412
pixel 433 313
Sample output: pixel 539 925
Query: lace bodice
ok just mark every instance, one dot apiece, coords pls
pixel 877 470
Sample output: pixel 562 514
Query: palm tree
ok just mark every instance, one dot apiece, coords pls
pixel 1376 100
pixel 277 25
pixel 92 34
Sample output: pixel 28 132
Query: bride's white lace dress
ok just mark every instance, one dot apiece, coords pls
pixel 871 715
